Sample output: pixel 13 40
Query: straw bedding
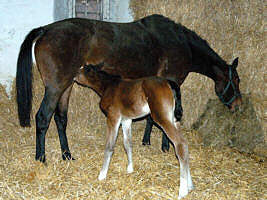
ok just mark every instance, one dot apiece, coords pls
pixel 218 171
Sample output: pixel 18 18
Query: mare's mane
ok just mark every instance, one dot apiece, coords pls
pixel 158 24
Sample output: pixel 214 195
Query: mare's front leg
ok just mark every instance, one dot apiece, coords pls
pixel 127 141
pixel 146 139
pixel 61 120
pixel 43 118
pixel 113 124
pixel 178 113
pixel 149 124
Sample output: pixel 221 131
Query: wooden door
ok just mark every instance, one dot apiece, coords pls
pixel 91 9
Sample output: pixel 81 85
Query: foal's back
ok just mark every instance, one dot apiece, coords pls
pixel 137 98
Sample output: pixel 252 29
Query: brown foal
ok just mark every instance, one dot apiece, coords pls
pixel 125 100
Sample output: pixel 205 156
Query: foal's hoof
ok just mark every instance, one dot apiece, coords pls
pixel 40 158
pixel 67 156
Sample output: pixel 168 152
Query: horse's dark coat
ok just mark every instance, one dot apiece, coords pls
pixel 152 46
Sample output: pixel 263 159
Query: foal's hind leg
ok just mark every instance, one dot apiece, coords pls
pixel 61 120
pixel 164 117
pixel 178 113
pixel 181 151
pixel 43 118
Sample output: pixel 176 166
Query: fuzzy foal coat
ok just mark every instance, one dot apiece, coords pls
pixel 124 100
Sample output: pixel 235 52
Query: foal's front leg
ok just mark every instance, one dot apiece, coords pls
pixel 127 141
pixel 113 125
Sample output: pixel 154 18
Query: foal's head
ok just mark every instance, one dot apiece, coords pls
pixel 227 85
pixel 92 76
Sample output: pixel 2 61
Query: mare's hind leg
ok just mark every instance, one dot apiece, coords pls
pixel 43 118
pixel 61 120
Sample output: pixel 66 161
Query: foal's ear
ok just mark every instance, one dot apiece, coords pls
pixel 235 63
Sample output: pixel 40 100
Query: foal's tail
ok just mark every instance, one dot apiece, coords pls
pixel 24 77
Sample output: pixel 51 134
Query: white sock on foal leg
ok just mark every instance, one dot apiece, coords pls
pixel 104 170
pixel 183 190
pixel 127 142
pixel 189 181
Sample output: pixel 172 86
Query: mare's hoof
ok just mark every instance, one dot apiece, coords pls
pixel 67 156
pixel 166 148
pixel 146 143
pixel 40 158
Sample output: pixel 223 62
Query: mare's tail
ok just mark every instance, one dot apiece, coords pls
pixel 24 77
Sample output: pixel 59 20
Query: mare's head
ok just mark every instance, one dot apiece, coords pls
pixel 227 85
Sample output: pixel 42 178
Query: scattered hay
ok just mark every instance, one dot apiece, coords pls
pixel 241 130
pixel 218 174
pixel 233 29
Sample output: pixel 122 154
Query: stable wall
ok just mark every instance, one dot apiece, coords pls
pixel 17 18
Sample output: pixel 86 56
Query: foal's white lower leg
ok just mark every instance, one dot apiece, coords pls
pixel 189 180
pixel 186 183
pixel 183 190
pixel 110 143
pixel 181 151
pixel 104 170
pixel 127 141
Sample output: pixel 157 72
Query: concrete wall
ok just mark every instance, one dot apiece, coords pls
pixel 119 11
pixel 17 18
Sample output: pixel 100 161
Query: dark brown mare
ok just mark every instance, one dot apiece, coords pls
pixel 124 100
pixel 152 46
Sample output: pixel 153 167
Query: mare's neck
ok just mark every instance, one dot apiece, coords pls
pixel 204 60
pixel 203 56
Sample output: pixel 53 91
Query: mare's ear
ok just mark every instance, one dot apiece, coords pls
pixel 218 72
pixel 235 63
